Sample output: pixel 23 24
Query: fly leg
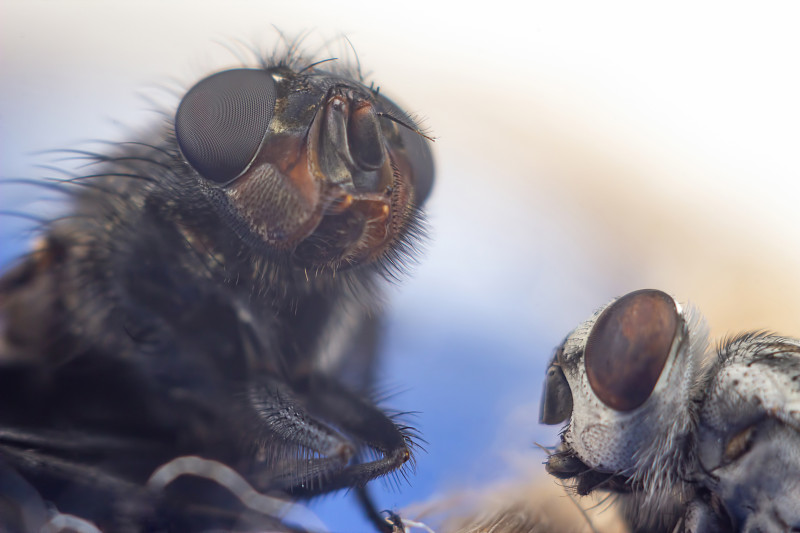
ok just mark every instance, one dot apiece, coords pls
pixel 300 451
pixel 372 428
pixel 367 425
pixel 310 456
pixel 391 524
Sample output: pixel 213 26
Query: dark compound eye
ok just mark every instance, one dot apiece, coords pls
pixel 419 152
pixel 556 405
pixel 222 121
pixel 628 348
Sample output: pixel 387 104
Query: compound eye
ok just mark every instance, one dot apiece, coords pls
pixel 418 150
pixel 421 158
pixel 222 121
pixel 629 346
pixel 556 404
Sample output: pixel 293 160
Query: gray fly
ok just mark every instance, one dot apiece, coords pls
pixel 688 439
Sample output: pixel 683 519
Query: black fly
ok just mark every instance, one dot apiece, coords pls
pixel 214 295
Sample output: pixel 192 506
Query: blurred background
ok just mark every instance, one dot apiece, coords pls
pixel 583 150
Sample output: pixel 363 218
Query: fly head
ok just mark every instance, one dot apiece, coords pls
pixel 690 442
pixel 305 163
pixel 622 380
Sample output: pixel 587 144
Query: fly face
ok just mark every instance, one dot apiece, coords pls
pixel 306 162
pixel 626 371
pixel 685 441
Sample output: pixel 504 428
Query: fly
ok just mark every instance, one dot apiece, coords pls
pixel 207 317
pixel 688 438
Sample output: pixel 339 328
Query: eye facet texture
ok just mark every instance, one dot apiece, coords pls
pixel 629 346
pixel 222 121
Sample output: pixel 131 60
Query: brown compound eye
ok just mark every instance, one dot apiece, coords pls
pixel 628 347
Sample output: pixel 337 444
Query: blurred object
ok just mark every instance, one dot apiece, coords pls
pixel 533 507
